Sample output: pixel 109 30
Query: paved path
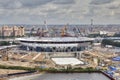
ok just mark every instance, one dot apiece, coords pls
pixel 36 56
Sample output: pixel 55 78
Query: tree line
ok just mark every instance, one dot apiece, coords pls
pixel 110 42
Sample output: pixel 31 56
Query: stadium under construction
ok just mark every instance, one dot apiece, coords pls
pixel 62 46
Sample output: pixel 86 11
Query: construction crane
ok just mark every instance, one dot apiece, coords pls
pixel 45 23
pixel 42 32
pixel 46 29
pixel 64 31
pixel 38 32
pixel 80 34
pixel 31 32
pixel 91 28
pixel 53 32
pixel 75 31
pixel 78 31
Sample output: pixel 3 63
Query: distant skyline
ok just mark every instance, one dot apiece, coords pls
pixel 59 11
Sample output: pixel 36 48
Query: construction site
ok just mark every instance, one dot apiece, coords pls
pixel 58 48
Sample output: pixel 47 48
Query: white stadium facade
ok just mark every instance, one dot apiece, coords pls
pixel 55 44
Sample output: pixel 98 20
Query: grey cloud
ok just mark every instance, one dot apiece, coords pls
pixel 8 4
pixel 16 4
pixel 59 11
pixel 34 3
pixel 91 11
pixel 114 17
pixel 98 2
pixel 49 11
pixel 114 7
pixel 64 2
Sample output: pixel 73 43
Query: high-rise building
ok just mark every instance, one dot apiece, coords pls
pixel 14 31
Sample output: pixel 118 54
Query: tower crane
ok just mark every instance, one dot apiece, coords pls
pixel 75 31
pixel 31 32
pixel 64 31
pixel 38 32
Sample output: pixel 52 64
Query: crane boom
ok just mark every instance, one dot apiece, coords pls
pixel 31 32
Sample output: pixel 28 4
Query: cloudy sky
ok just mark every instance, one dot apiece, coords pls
pixel 59 11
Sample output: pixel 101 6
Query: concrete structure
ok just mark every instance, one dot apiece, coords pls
pixel 56 45
pixel 7 31
pixel 67 61
pixel 107 33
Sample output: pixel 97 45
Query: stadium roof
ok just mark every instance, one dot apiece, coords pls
pixel 55 39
